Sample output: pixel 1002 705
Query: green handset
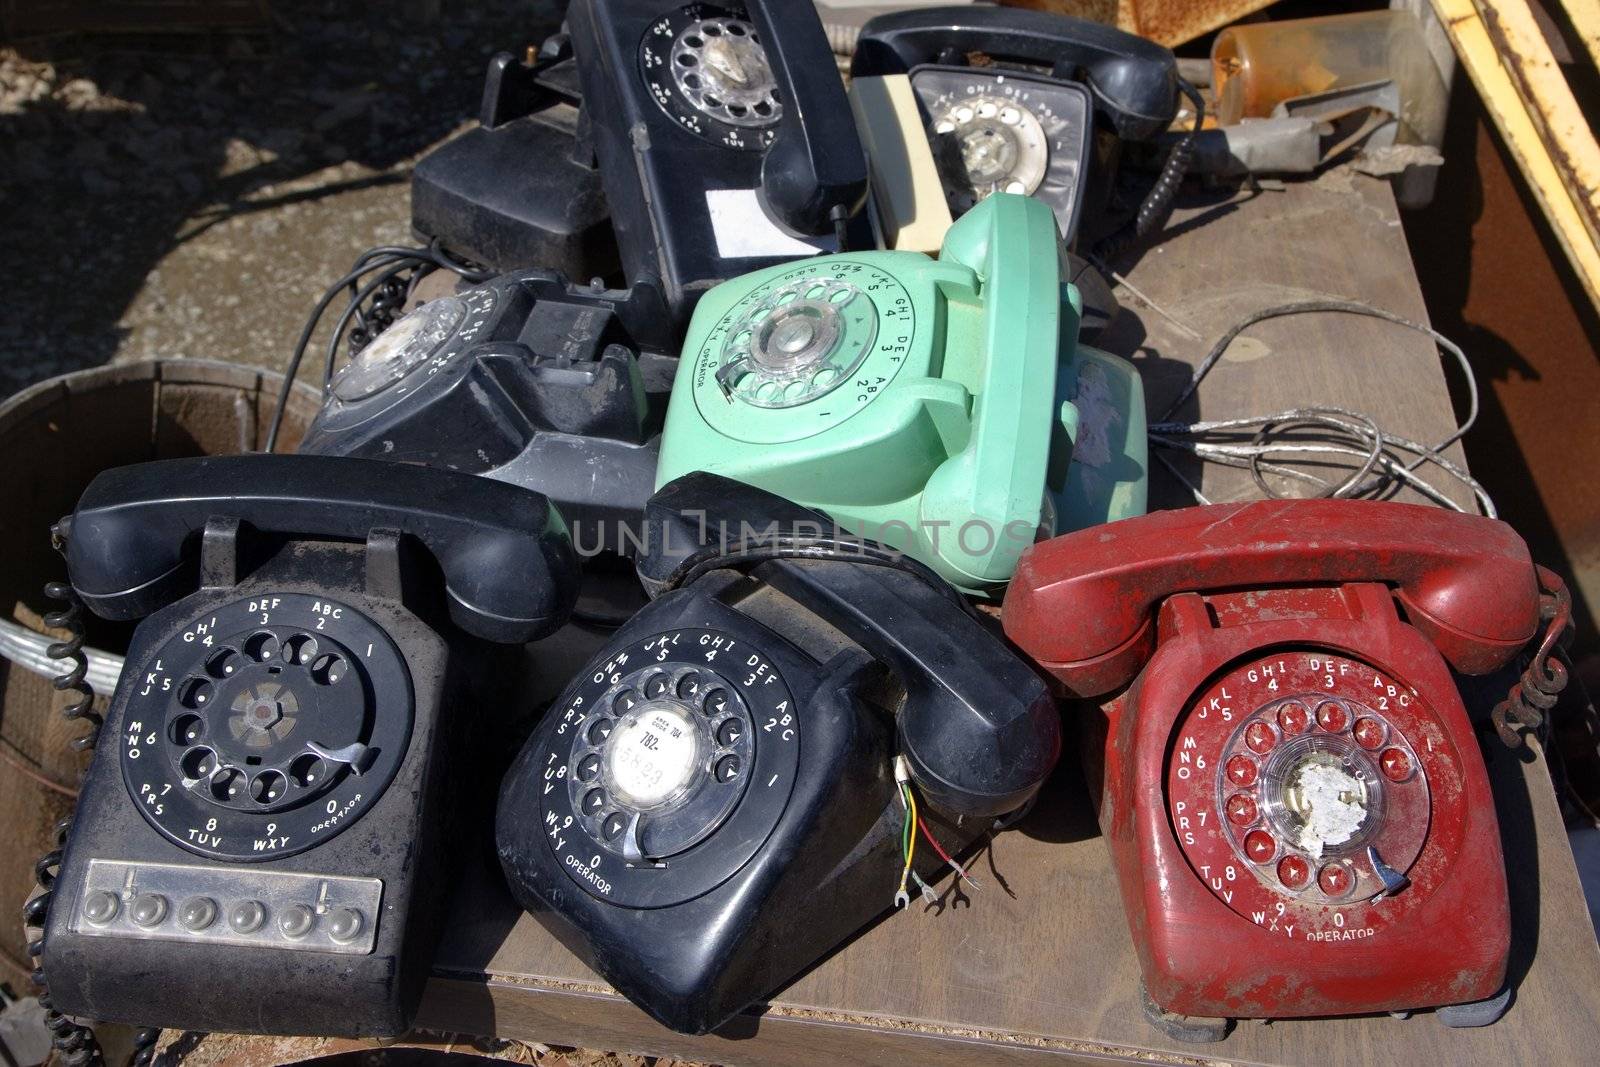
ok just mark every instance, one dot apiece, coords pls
pixel 942 407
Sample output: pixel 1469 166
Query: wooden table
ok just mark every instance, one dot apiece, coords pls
pixel 1039 966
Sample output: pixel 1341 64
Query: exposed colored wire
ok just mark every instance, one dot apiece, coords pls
pixel 908 841
pixel 961 871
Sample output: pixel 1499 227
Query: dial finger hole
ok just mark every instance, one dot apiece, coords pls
pixel 328 669
pixel 625 701
pixel 656 686
pixel 729 732
pixel 716 701
pixel 1294 872
pixel 198 763
pixel 593 801
pixel 186 729
pixel 262 647
pixel 1335 879
pixel 268 787
pixel 227 783
pixel 599 730
pixel 1332 717
pixel 1294 718
pixel 1395 764
pixel 222 663
pixel 306 770
pixel 1369 732
pixel 301 649
pixel 1242 770
pixel 195 693
pixel 689 686
pixel 1260 738
pixel 1241 809
pixel 1260 846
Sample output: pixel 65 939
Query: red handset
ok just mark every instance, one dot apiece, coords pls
pixel 1297 808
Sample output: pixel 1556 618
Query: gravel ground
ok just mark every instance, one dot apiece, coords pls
pixel 183 196
pixel 192 196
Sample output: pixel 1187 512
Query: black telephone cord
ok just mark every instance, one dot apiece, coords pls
pixel 1158 203
pixel 74 1043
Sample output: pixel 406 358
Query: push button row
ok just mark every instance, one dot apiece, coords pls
pixel 196 914
pixel 211 905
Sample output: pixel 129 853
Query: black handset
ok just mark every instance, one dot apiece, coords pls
pixel 723 135
pixel 520 189
pixel 525 379
pixel 258 841
pixel 715 803
pixel 1010 99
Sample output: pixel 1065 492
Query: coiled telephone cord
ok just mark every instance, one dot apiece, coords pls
pixel 1525 709
pixel 1157 206
pixel 73 1042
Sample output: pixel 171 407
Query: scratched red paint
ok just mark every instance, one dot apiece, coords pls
pixel 1359 603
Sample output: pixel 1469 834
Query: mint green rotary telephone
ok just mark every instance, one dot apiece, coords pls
pixel 941 407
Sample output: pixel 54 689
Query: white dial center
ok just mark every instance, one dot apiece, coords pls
pixel 653 755
pixel 1331 802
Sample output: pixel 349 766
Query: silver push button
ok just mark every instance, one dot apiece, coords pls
pixel 148 909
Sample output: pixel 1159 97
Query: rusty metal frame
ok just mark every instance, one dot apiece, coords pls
pixel 1524 91
pixel 1168 22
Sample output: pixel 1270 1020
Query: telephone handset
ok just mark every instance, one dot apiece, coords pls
pixel 712 805
pixel 1283 671
pixel 257 841
pixel 1020 118
pixel 723 134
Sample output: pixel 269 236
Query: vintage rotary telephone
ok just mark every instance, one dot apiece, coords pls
pixel 724 138
pixel 525 379
pixel 1293 794
pixel 258 842
pixel 956 104
pixel 714 802
pixel 521 189
pixel 940 406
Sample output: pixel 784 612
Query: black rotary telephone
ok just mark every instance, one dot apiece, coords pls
pixel 520 189
pixel 716 800
pixel 970 101
pixel 724 138
pixel 258 842
pixel 525 379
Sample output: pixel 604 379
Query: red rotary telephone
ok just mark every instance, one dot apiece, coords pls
pixel 1296 805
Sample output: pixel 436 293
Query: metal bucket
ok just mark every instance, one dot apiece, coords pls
pixel 54 438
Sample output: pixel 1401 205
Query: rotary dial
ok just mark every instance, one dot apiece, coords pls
pixel 394 353
pixel 1299 788
pixel 989 144
pixel 798 343
pixel 255 732
pixel 676 753
pixel 707 69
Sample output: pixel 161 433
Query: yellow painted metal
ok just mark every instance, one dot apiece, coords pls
pixel 1524 92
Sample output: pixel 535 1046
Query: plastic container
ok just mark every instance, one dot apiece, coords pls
pixel 1256 67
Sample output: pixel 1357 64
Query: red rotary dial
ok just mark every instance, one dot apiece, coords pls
pixel 1298 787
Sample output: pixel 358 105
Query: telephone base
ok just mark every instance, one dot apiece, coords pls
pixel 1476 1013
pixel 1197 1029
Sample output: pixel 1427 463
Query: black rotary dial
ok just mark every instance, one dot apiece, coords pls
pixel 676 753
pixel 265 726
pixel 709 72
